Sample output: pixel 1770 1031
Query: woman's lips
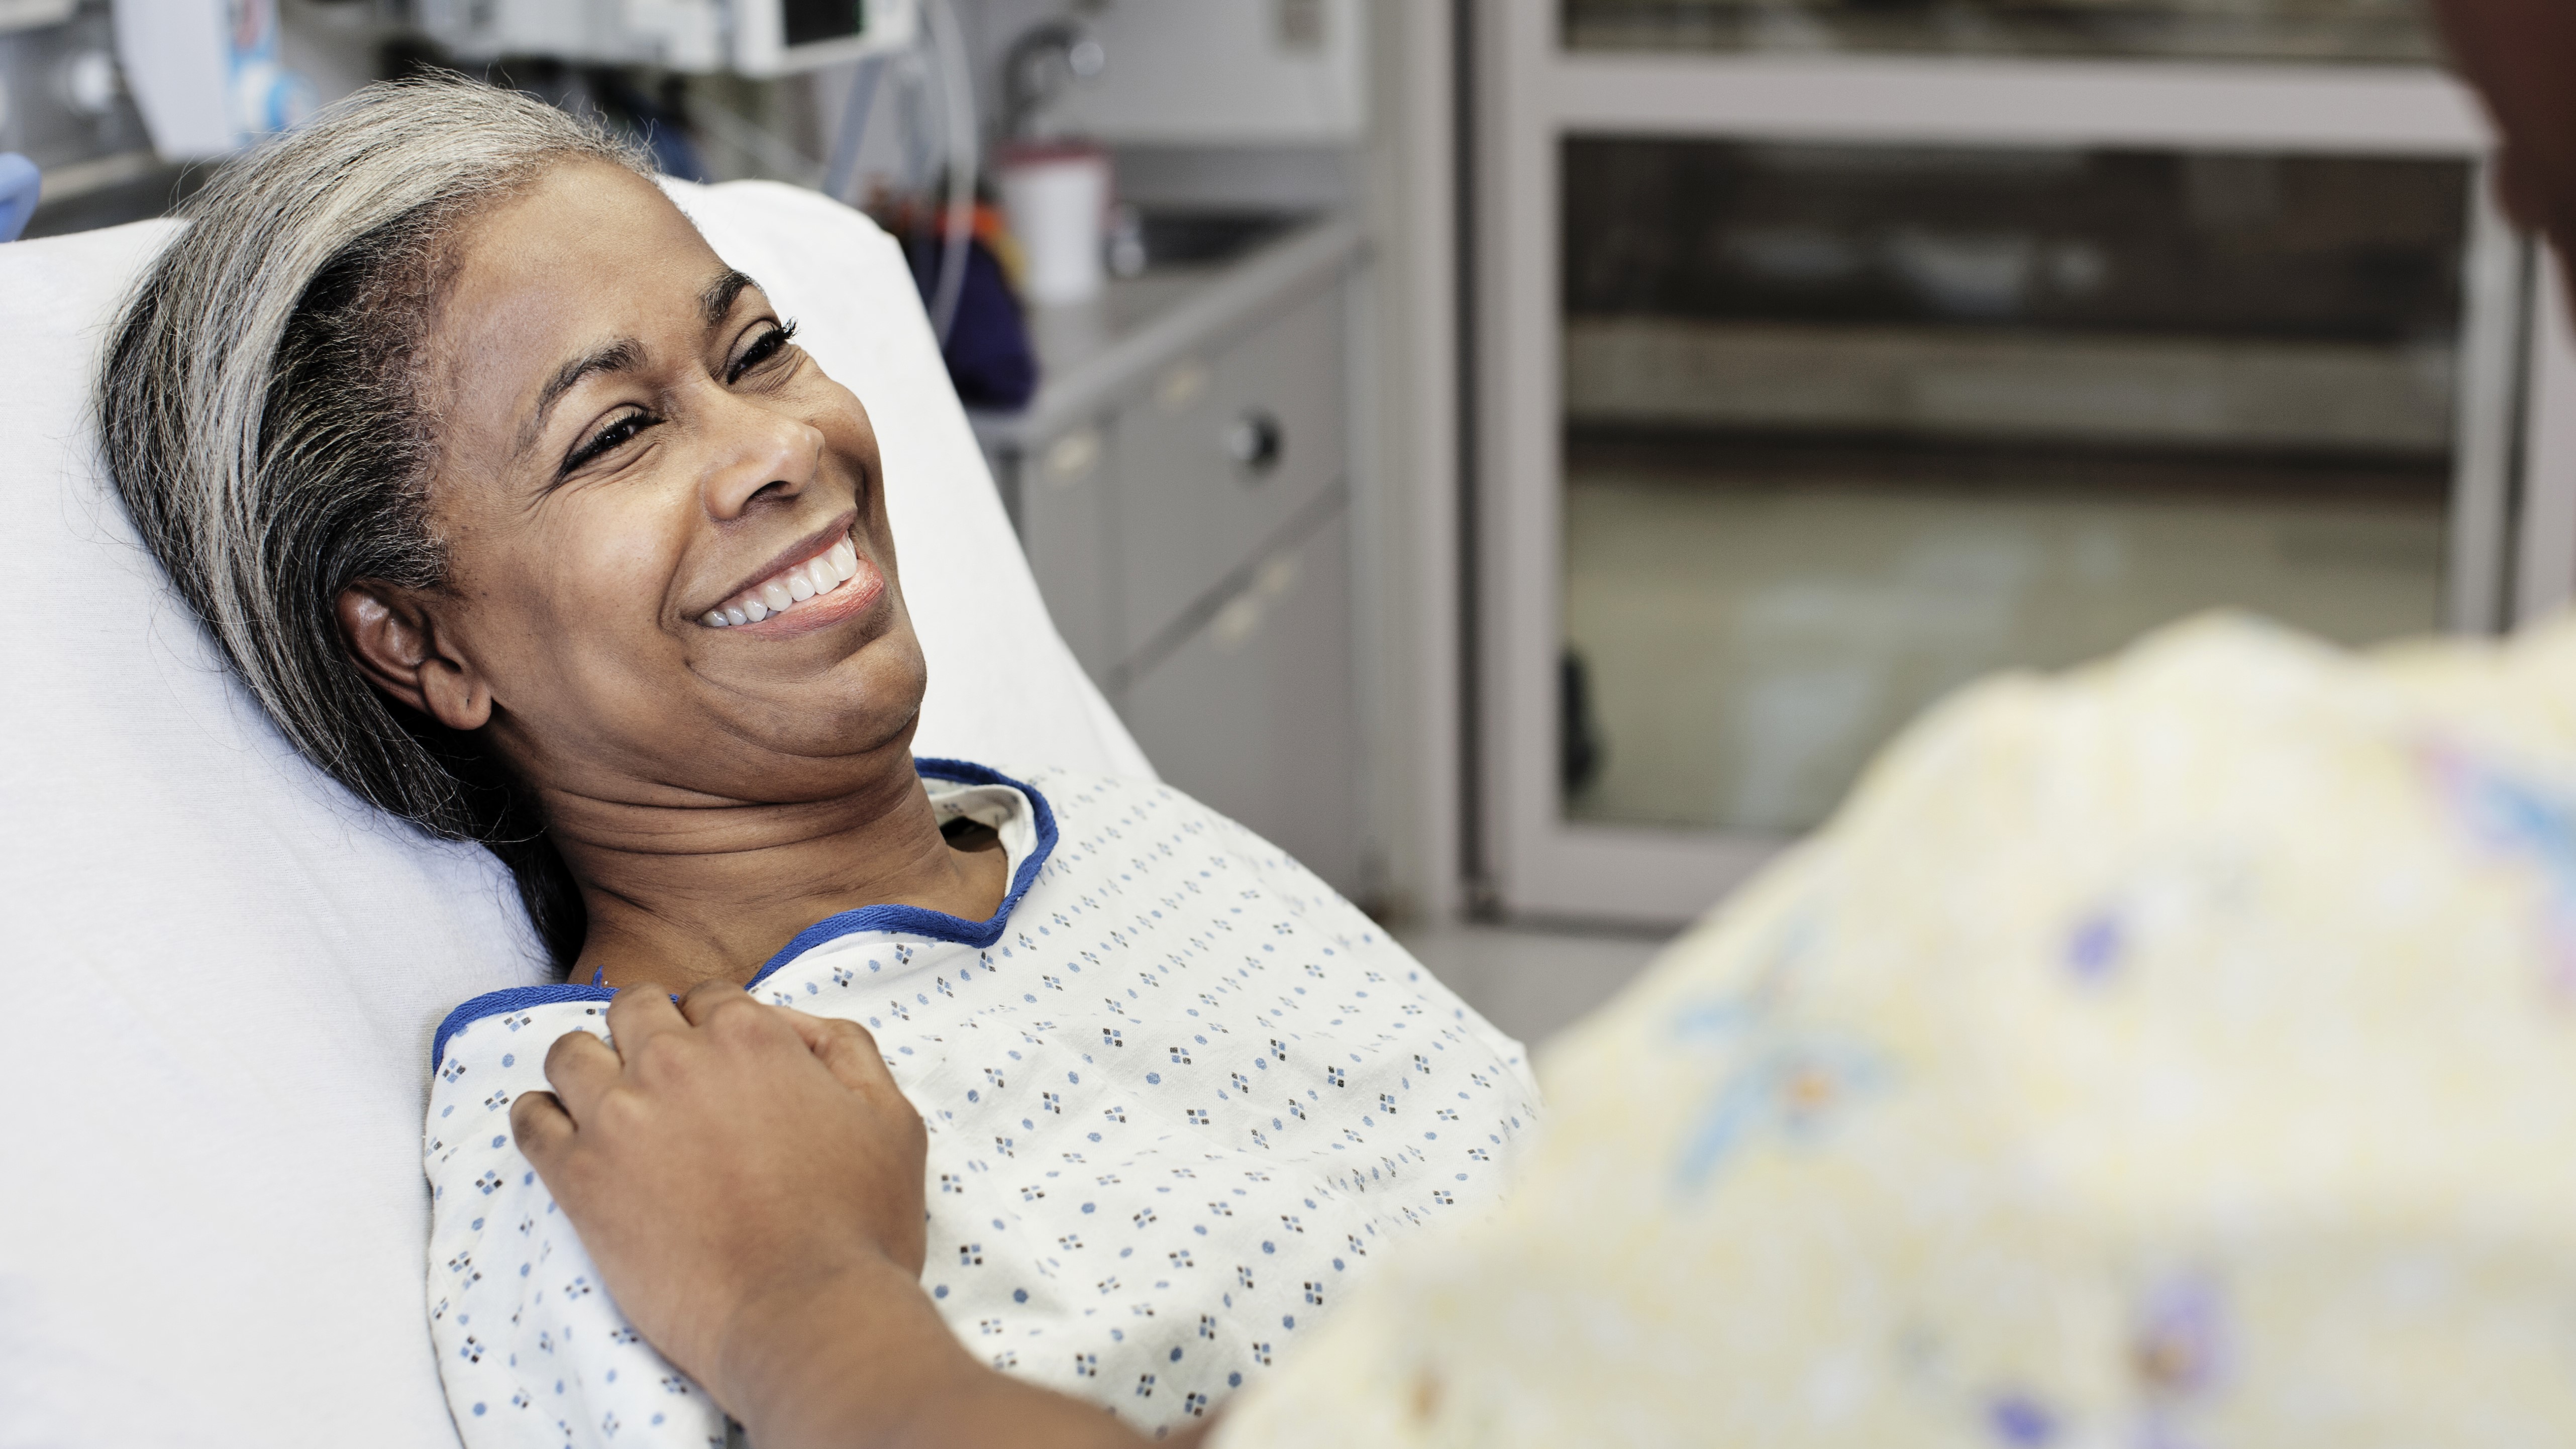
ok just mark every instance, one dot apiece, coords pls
pixel 849 596
pixel 789 589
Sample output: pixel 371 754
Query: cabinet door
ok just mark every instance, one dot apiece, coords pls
pixel 1062 488
pixel 1191 507
pixel 1813 386
pixel 1255 712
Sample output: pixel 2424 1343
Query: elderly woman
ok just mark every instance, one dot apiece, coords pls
pixel 525 518
pixel 2180 1053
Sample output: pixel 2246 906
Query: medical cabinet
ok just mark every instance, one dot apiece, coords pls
pixel 1832 355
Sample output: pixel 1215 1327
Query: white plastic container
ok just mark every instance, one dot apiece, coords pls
pixel 1056 199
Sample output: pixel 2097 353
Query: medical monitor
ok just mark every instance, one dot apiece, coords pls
pixel 774 37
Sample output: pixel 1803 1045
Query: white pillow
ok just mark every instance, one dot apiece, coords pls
pixel 222 971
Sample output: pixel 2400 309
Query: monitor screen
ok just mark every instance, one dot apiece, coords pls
pixel 809 22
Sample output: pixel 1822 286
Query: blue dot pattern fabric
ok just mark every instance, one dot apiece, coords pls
pixel 1180 1096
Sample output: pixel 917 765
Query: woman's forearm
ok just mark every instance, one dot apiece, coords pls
pixel 861 1360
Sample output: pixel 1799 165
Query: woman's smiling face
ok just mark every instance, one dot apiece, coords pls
pixel 632 455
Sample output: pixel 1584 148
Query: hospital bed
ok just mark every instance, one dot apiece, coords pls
pixel 222 971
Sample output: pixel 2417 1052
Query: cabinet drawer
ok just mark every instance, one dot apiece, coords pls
pixel 1062 490
pixel 1256 712
pixel 1220 454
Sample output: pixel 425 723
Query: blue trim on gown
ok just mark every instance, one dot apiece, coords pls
pixel 890 919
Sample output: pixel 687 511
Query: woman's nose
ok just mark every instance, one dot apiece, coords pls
pixel 757 453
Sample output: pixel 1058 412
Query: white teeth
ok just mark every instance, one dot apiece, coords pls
pixel 820 574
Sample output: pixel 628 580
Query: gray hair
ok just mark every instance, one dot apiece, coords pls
pixel 261 415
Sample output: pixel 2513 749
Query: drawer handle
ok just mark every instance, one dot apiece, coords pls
pixel 1070 457
pixel 1254 442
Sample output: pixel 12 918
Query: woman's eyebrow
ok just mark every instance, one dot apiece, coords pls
pixel 618 356
pixel 718 298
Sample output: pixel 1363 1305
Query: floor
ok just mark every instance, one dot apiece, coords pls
pixel 1748 642
pixel 1529 983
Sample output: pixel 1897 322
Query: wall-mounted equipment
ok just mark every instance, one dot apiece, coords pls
pixel 684 35
pixel 774 37
pixel 206 73
pixel 753 37
pixel 1196 73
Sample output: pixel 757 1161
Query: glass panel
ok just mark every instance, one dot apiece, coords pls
pixel 1846 427
pixel 2381 31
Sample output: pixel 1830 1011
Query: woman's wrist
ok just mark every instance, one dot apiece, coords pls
pixel 852 1345
pixel 858 1357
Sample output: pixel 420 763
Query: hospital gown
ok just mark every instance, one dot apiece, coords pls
pixel 2178 1054
pixel 1180 1095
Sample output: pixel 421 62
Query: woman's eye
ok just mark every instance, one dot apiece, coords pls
pixel 768 345
pixel 608 439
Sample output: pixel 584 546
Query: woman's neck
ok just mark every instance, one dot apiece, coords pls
pixel 679 896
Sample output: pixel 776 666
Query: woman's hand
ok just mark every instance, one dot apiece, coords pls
pixel 730 1166
pixel 748 1182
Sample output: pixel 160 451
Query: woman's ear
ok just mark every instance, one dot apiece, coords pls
pixel 393 635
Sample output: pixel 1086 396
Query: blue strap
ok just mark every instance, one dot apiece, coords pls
pixel 20 184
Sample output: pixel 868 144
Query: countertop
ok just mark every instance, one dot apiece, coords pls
pixel 1094 354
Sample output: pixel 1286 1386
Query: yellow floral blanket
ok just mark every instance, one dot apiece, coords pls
pixel 2181 1052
